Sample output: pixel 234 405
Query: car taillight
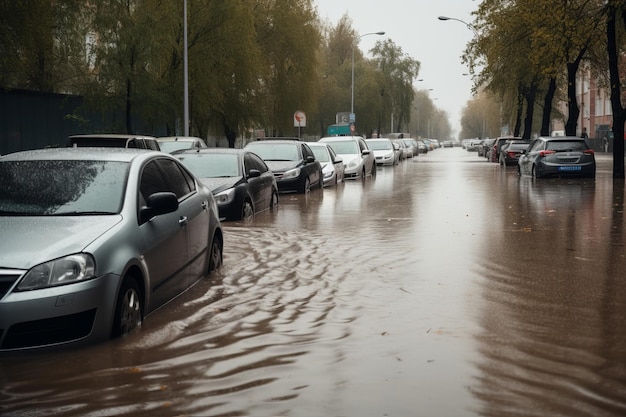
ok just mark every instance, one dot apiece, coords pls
pixel 589 151
pixel 511 154
pixel 544 153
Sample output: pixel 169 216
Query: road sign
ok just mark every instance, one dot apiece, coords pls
pixel 299 119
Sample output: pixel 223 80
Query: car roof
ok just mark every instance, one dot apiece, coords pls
pixel 560 138
pixel 78 154
pixel 112 136
pixel 233 151
pixel 275 140
pixel 178 139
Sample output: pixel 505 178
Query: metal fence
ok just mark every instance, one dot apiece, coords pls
pixel 32 120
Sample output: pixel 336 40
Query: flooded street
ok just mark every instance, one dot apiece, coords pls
pixel 446 286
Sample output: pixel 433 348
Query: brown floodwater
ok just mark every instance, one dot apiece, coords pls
pixel 446 286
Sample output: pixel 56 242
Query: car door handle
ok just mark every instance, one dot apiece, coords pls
pixel 182 221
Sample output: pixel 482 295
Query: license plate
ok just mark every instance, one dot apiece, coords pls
pixel 570 168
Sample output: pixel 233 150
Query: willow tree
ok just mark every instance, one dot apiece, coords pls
pixel 42 45
pixel 289 39
pixel 616 10
pixel 399 71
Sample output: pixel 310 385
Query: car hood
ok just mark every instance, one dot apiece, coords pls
pixel 217 185
pixel 29 241
pixel 282 166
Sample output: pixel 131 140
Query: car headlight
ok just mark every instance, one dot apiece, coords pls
pixel 225 196
pixel 294 173
pixel 68 270
pixel 353 163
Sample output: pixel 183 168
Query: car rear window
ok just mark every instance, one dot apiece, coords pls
pixel 569 145
pixel 62 187
pixel 275 151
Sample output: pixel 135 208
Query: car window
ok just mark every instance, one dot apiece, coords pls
pixel 570 145
pixel 321 153
pixel 152 144
pixel 252 161
pixel 345 147
pixel 275 151
pixel 133 143
pixel 179 183
pixel 306 152
pixel 62 187
pixel 536 146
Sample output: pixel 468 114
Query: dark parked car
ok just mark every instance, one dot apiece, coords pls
pixel 113 140
pixel 93 240
pixel 558 156
pixel 485 147
pixel 292 162
pixel 494 154
pixel 241 182
pixel 511 150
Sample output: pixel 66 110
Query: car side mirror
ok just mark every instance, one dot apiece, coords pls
pixel 365 152
pixel 310 159
pixel 338 160
pixel 158 204
pixel 253 173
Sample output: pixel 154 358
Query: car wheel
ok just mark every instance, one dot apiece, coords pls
pixel 215 254
pixel 363 173
pixel 128 309
pixel 306 186
pixel 534 172
pixel 274 201
pixel 373 170
pixel 247 210
pixel 320 184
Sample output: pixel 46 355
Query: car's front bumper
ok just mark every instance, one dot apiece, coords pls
pixel 73 313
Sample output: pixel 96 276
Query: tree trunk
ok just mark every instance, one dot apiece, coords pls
pixel 231 134
pixel 573 111
pixel 616 104
pixel 518 115
pixel 129 125
pixel 547 108
pixel 530 96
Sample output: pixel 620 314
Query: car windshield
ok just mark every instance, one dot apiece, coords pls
pixel 98 142
pixel 566 145
pixel 211 165
pixel 321 153
pixel 174 145
pixel 379 145
pixel 275 151
pixel 345 147
pixel 62 187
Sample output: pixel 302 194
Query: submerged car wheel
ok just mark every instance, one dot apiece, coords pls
pixel 215 254
pixel 247 210
pixel 306 186
pixel 534 172
pixel 274 200
pixel 373 170
pixel 363 173
pixel 128 310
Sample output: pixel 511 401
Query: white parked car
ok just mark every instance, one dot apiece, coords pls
pixel 332 165
pixel 358 159
pixel 384 151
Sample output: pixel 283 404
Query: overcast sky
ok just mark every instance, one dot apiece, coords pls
pixel 413 26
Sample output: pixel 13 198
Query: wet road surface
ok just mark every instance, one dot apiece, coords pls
pixel 446 286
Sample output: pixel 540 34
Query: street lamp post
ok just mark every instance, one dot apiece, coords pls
pixel 353 45
pixel 185 73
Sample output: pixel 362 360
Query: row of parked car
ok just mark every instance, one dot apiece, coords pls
pixel 553 156
pixel 99 234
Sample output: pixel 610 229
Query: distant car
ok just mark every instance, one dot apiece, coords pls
pixel 112 140
pixel 384 151
pixel 404 152
pixel 422 147
pixel 94 240
pixel 171 144
pixel 241 182
pixel 557 156
pixel 332 165
pixel 448 144
pixel 511 151
pixel 497 146
pixel 358 159
pixel 413 145
pixel 485 149
pixel 292 162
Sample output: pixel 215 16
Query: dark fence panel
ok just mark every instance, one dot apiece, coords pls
pixel 33 120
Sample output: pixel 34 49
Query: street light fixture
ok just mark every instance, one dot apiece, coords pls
pixel 353 45
pixel 470 27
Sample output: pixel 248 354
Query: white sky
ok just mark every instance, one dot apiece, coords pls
pixel 413 26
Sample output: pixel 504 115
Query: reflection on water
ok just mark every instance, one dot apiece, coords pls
pixel 444 287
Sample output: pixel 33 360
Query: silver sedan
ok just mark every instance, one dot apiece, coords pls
pixel 95 239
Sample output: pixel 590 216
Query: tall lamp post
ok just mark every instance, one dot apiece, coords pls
pixel 470 27
pixel 353 45
pixel 185 74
